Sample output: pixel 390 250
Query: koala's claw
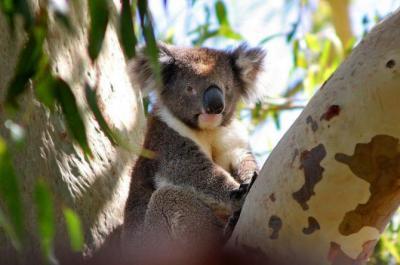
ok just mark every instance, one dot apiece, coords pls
pixel 243 188
pixel 255 175
pixel 239 192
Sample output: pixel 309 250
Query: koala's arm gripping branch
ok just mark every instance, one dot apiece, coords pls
pixel 246 168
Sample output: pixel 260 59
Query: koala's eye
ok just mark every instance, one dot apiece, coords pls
pixel 190 90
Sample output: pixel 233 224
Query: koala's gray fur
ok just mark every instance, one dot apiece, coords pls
pixel 185 190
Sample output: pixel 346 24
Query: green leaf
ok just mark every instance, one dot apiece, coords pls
pixel 270 37
pixel 45 91
pixel 275 117
pixel 312 42
pixel 74 228
pixel 296 49
pixel 302 60
pixel 390 247
pixel 256 111
pixel 220 10
pixel 205 36
pixel 75 124
pixel 228 32
pixel 28 60
pixel 11 195
pixel 45 219
pixel 151 48
pixel 326 52
pixel 146 105
pixel 44 83
pixel 126 27
pixel 8 9
pixel 9 231
pixel 99 15
pixel 293 31
pixel 7 6
pixel 92 101
pixel 23 8
pixel 11 8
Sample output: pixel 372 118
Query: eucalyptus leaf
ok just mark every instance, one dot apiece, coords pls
pixel 220 10
pixel 151 48
pixel 99 16
pixel 75 124
pixel 11 8
pixel 277 121
pixel 74 229
pixel 10 195
pixel 9 231
pixel 45 219
pixel 92 101
pixel 27 64
pixel 126 29
pixel 44 83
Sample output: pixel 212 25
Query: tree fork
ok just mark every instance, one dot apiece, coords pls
pixel 331 185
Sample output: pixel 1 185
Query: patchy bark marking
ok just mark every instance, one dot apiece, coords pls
pixel 337 257
pixel 378 163
pixel 310 163
pixel 332 111
pixel 275 223
pixel 391 63
pixel 272 197
pixel 313 226
pixel 312 123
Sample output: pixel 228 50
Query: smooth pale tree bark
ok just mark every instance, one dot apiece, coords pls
pixel 331 185
pixel 96 189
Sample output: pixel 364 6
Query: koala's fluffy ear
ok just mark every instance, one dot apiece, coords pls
pixel 140 69
pixel 248 63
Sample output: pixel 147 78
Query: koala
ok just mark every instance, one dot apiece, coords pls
pixel 202 164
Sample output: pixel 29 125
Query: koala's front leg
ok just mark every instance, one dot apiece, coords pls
pixel 246 173
pixel 238 196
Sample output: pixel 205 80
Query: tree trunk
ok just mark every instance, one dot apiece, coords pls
pixel 331 185
pixel 97 188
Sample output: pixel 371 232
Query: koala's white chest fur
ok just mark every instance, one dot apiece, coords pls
pixel 225 145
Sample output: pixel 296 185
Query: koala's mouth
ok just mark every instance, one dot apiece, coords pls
pixel 209 121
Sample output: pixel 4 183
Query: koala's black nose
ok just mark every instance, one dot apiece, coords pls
pixel 213 100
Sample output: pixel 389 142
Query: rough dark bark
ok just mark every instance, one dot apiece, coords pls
pixel 95 189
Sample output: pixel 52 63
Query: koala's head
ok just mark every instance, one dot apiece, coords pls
pixel 201 86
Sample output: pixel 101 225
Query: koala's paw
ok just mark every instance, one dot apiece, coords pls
pixel 243 189
pixel 240 192
pixel 238 196
pixel 253 178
